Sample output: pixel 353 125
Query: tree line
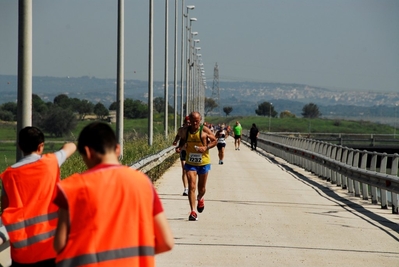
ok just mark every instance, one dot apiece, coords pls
pixel 60 117
pixel 310 110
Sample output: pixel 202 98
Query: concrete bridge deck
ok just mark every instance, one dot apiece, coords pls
pixel 262 211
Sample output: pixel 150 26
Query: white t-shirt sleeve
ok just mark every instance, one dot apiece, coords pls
pixel 61 157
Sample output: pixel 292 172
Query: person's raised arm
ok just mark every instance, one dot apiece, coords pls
pixel 69 148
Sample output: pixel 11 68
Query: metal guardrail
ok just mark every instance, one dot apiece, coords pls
pixel 364 173
pixel 350 139
pixel 147 163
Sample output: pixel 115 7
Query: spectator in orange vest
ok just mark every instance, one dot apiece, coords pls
pixel 28 191
pixel 110 215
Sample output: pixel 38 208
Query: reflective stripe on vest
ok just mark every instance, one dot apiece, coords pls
pixel 107 255
pixel 31 221
pixel 31 217
pixel 33 239
pixel 111 218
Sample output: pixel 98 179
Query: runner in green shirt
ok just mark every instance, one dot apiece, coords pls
pixel 237 135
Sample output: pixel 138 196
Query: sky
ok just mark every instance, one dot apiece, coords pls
pixel 336 44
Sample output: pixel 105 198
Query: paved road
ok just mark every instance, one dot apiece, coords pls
pixel 261 211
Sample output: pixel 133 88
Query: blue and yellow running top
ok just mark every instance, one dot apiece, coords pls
pixel 193 157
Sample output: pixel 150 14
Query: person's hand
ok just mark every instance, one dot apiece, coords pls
pixel 174 143
pixel 202 149
pixel 178 149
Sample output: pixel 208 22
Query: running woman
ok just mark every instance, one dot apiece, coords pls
pixel 221 136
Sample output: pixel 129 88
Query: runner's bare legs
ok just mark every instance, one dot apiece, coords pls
pixel 202 178
pixel 184 174
pixel 192 184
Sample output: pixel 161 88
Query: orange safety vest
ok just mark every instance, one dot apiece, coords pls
pixel 111 218
pixel 31 217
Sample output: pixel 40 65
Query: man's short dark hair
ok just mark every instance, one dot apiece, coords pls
pixel 98 136
pixel 29 139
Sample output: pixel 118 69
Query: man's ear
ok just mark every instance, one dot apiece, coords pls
pixel 118 150
pixel 40 148
pixel 89 153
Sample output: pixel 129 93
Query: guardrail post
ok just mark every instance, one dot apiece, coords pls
pixel 373 167
pixel 383 169
pixel 340 158
pixel 363 165
pixel 347 180
pixel 394 171
pixel 308 163
pixel 313 164
pixel 344 160
pixel 356 184
pixel 328 170
pixel 333 173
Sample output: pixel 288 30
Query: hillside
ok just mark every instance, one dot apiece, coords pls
pixel 242 96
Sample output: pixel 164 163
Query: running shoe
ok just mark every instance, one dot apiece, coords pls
pixel 221 162
pixel 185 192
pixel 201 205
pixel 193 216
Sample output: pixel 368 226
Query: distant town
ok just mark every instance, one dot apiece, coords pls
pixel 242 96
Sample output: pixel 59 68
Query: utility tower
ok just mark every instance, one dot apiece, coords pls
pixel 215 87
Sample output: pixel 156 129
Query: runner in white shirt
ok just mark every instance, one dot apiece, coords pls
pixel 221 136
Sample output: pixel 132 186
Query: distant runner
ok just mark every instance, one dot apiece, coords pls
pixel 237 135
pixel 221 136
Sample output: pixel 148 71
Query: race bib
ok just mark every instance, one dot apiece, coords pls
pixel 195 157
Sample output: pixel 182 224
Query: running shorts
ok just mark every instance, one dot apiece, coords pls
pixel 221 145
pixel 199 169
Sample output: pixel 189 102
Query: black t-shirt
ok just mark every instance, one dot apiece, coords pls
pixel 253 132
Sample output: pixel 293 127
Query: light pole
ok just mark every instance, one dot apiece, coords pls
pixel 166 81
pixel 194 75
pixel 151 74
pixel 175 70
pixel 394 123
pixel 187 53
pixel 182 60
pixel 189 63
pixel 270 114
pixel 120 74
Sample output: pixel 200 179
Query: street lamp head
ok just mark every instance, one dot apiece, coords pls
pixel 190 7
pixel 194 33
pixel 196 40
pixel 193 19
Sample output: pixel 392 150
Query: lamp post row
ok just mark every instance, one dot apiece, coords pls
pixel 190 62
pixel 25 70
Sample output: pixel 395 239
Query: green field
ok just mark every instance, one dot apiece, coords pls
pixel 135 134
pixel 302 125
